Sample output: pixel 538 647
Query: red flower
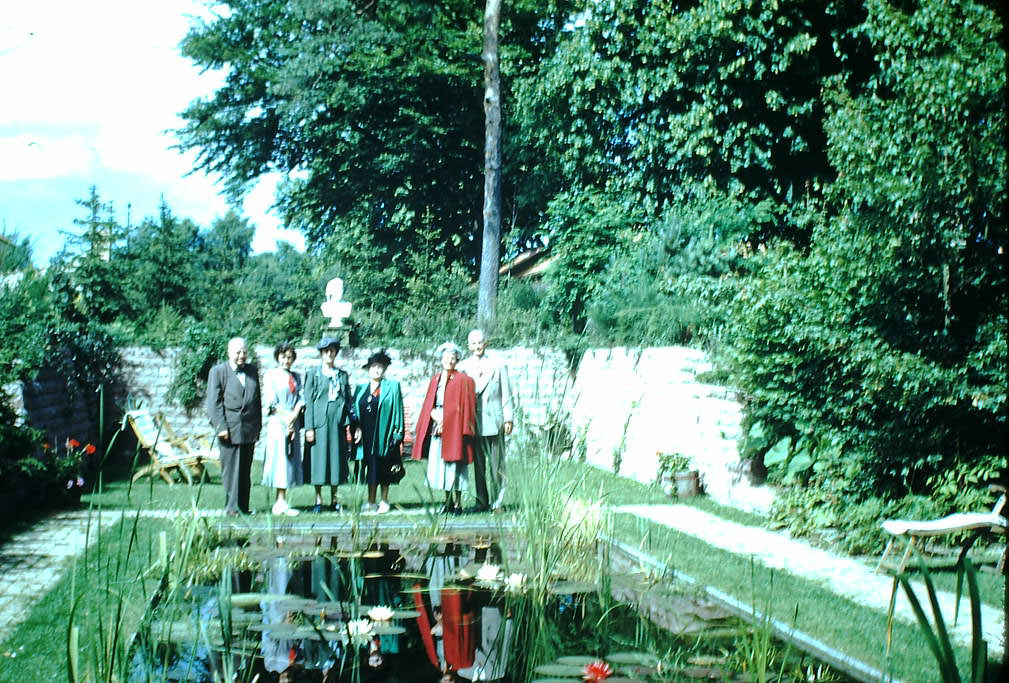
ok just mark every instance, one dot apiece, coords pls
pixel 73 443
pixel 596 671
pixel 90 449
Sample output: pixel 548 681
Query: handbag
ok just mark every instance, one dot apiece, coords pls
pixel 394 464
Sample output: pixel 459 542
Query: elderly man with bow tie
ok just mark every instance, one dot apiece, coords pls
pixel 235 411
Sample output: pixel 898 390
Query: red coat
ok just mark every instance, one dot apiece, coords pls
pixel 459 424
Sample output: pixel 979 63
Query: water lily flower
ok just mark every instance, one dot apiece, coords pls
pixel 596 671
pixel 359 629
pixel 90 449
pixel 488 573
pixel 380 613
pixel 463 574
pixel 73 443
pixel 515 581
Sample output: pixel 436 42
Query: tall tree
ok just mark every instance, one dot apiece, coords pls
pixel 490 253
pixel 373 109
pixel 94 273
pixel 660 99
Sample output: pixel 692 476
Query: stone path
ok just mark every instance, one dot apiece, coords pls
pixel 33 561
pixel 842 575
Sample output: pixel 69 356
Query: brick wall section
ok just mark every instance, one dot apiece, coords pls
pixel 45 403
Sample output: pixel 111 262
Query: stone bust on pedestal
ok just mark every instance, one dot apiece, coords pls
pixel 338 312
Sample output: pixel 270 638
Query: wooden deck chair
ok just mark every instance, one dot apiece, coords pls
pixel 169 453
pixel 961 521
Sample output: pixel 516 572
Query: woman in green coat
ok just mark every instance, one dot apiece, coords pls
pixel 329 417
pixel 379 406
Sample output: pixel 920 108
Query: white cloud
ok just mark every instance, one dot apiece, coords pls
pixel 89 91
pixel 31 157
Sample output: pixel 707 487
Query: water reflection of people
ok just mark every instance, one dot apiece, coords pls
pixel 277 657
pixel 446 616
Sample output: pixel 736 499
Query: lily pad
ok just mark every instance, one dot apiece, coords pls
pixel 552 680
pixel 253 599
pixel 577 660
pixel 559 670
pixel 387 629
pixel 638 658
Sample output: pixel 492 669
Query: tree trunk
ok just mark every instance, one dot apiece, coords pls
pixel 490 253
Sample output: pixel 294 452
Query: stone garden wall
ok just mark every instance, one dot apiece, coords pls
pixel 623 406
pixel 629 405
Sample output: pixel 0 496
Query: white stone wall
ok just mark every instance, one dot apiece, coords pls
pixel 629 405
pixel 624 405
pixel 539 379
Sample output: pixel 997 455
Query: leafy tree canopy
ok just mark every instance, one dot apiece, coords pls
pixel 373 109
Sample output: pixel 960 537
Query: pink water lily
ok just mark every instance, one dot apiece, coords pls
pixel 596 671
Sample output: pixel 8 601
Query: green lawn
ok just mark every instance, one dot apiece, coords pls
pixel 117 569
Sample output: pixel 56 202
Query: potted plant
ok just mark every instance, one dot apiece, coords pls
pixel 676 474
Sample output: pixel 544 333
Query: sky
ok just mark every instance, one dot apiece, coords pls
pixel 89 90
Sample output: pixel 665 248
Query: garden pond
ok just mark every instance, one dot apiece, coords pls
pixel 447 606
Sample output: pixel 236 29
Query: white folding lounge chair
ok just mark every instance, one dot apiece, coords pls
pixel 961 521
pixel 169 453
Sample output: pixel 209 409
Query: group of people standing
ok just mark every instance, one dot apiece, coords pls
pixel 318 426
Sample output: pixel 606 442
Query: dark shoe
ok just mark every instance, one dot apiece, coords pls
pixel 317 508
pixel 335 507
pixel 455 510
pixel 477 509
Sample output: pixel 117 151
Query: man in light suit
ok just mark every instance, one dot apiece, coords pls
pixel 236 414
pixel 493 421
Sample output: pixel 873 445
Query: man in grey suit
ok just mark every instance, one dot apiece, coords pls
pixel 235 411
pixel 494 421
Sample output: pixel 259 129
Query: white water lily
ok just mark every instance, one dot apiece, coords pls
pixel 359 629
pixel 380 613
pixel 488 573
pixel 463 574
pixel 515 582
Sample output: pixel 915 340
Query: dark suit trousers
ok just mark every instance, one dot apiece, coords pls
pixel 488 470
pixel 236 475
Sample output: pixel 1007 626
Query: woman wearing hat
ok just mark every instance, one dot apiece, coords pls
pixel 379 406
pixel 329 413
pixel 445 428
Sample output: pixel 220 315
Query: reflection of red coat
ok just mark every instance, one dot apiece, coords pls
pixel 456 628
pixel 459 424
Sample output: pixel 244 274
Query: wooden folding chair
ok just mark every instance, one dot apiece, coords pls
pixel 169 453
pixel 961 521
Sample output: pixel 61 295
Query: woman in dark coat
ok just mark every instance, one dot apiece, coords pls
pixel 329 415
pixel 379 406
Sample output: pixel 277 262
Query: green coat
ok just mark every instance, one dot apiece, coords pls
pixel 389 425
pixel 328 455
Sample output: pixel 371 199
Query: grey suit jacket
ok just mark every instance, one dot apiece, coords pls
pixel 493 394
pixel 232 406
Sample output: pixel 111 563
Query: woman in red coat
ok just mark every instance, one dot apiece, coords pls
pixel 446 428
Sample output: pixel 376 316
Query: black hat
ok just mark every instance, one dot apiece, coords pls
pixel 327 342
pixel 380 357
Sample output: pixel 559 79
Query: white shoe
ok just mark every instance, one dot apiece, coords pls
pixel 282 508
pixel 383 508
